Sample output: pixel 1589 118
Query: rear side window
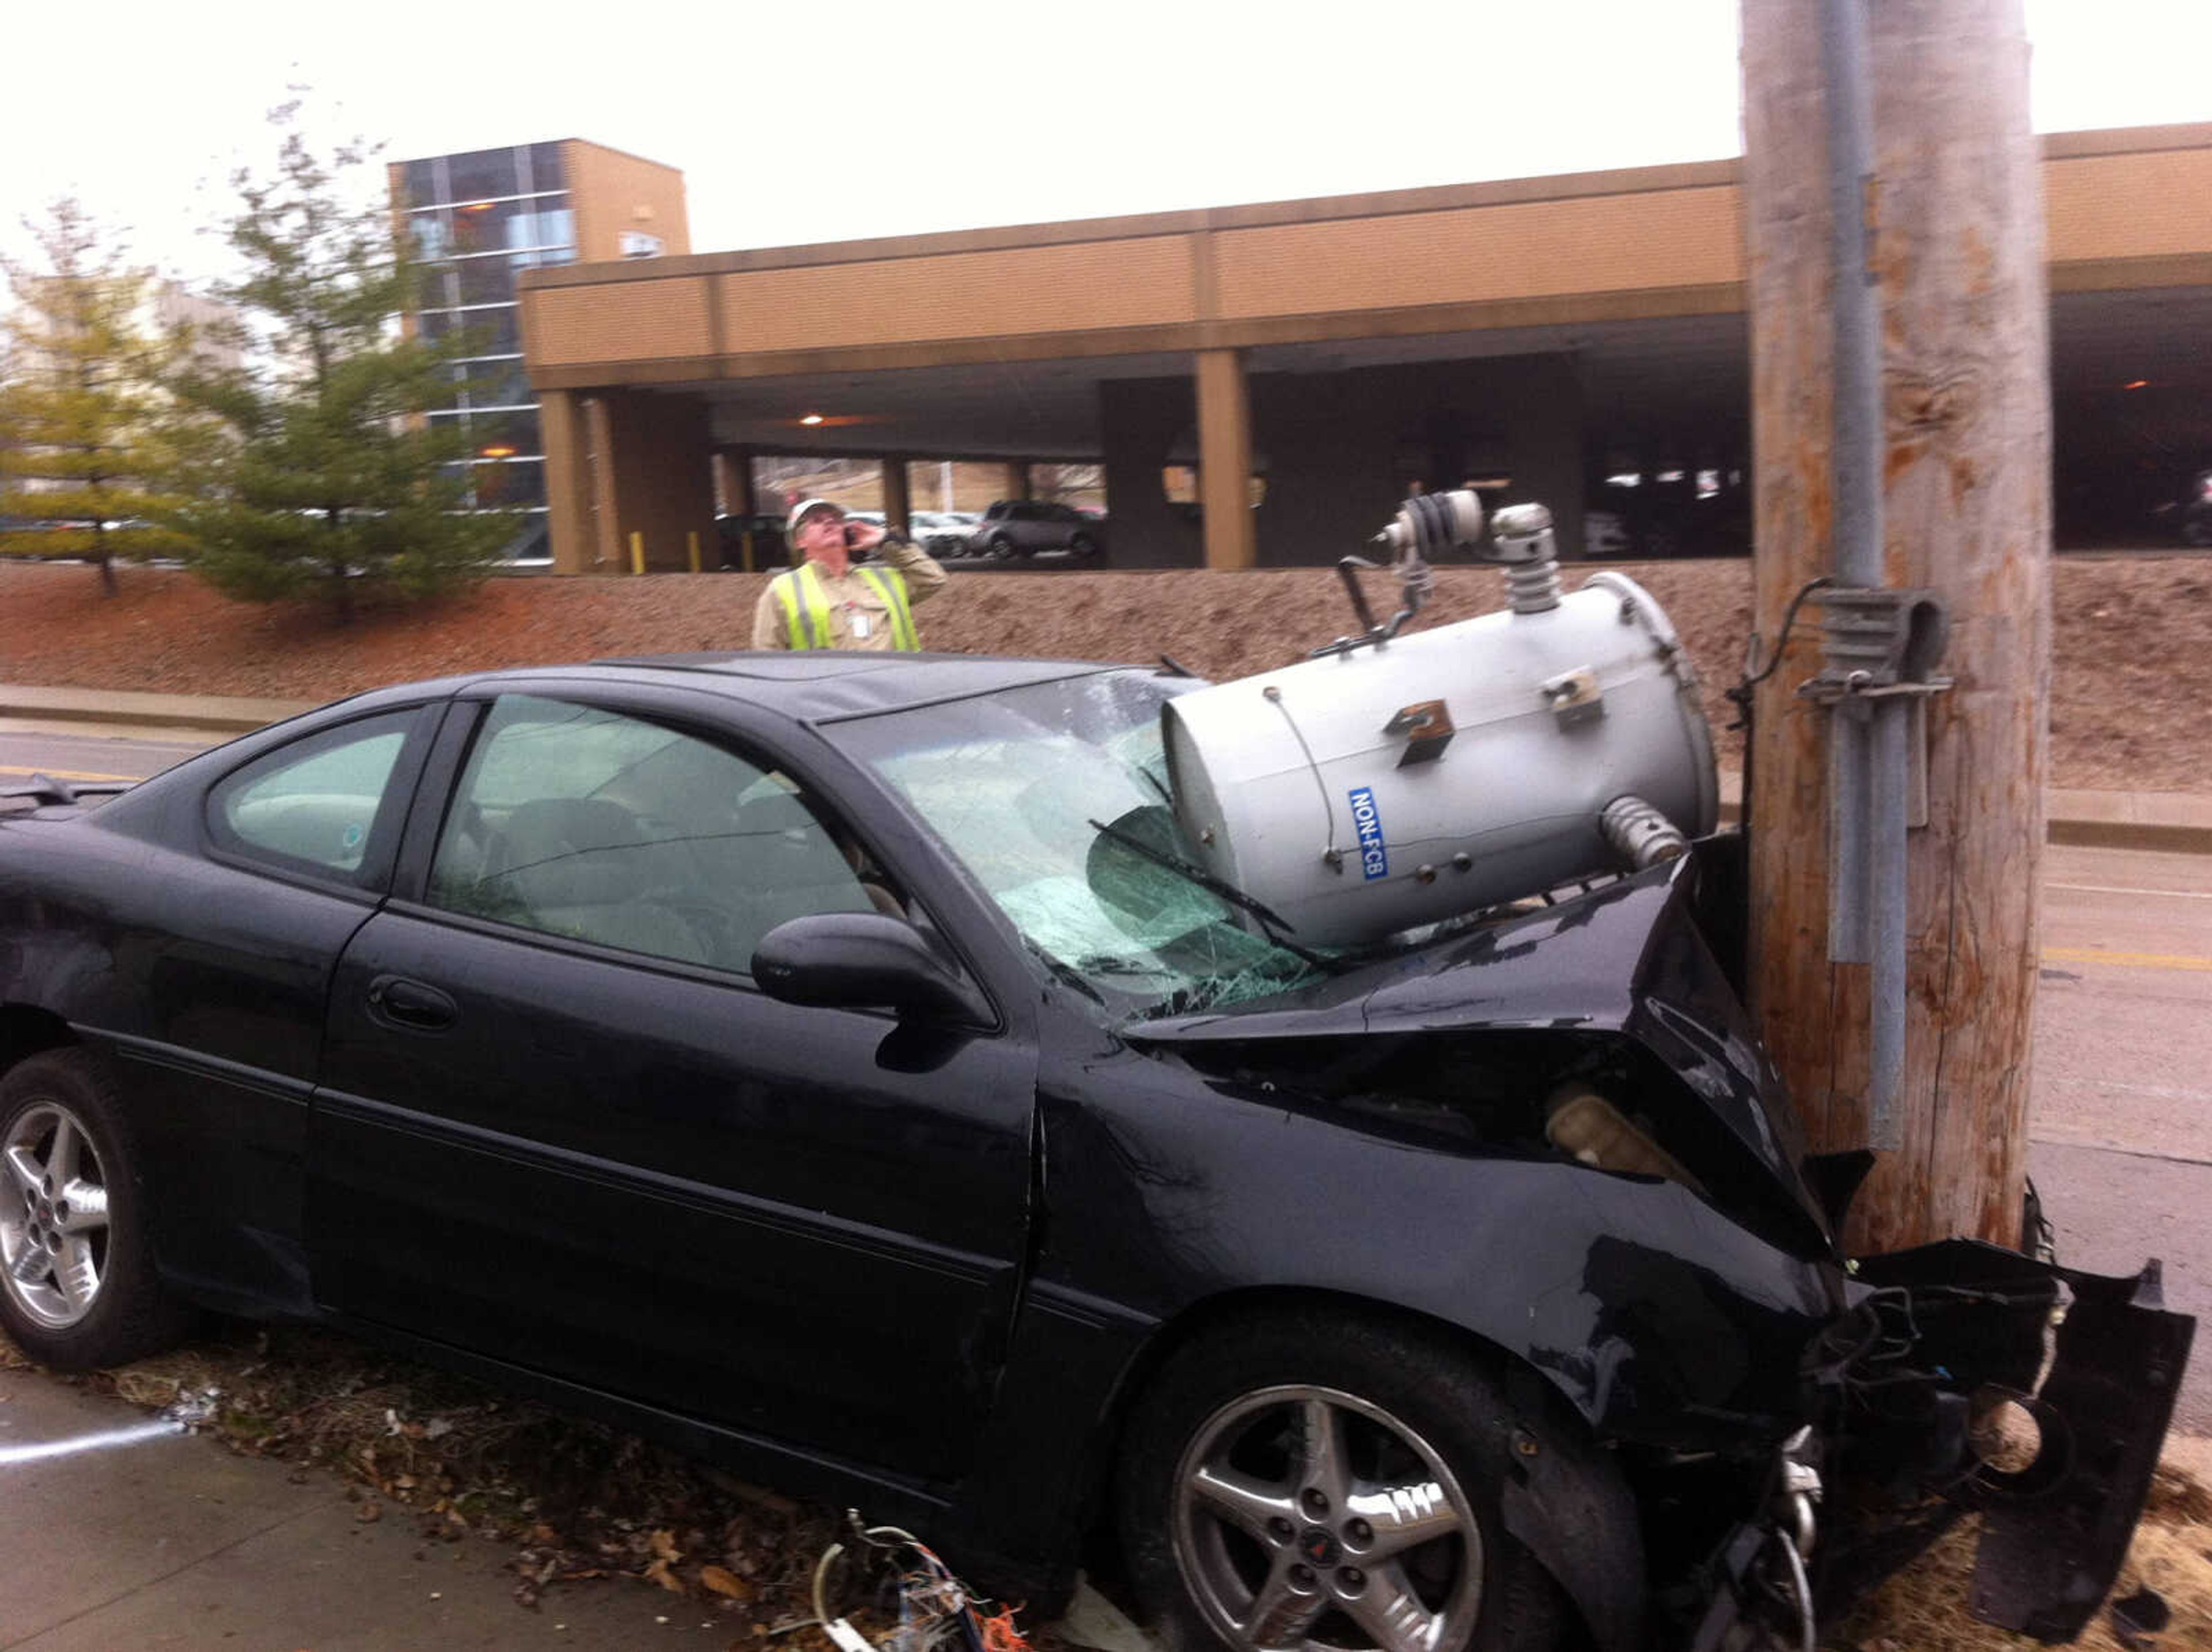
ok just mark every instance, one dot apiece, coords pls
pixel 326 804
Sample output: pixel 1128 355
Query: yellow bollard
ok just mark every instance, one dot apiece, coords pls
pixel 637 553
pixel 693 538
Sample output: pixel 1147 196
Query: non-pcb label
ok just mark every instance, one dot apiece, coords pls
pixel 1367 821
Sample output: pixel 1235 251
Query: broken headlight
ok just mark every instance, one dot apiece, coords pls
pixel 1591 1130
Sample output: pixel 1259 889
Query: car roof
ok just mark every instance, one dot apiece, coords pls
pixel 811 685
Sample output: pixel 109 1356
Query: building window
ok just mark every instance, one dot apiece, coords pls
pixel 545 169
pixel 476 219
pixel 420 181
pixel 509 484
pixel 483 175
pixel 492 330
pixel 495 384
pixel 509 226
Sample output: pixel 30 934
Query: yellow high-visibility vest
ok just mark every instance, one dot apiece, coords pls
pixel 805 605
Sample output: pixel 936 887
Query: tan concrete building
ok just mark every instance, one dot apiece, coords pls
pixel 1534 335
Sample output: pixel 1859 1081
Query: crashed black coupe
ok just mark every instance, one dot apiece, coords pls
pixel 837 1064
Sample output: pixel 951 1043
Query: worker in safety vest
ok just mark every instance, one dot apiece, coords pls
pixel 827 603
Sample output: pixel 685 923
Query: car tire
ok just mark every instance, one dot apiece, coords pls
pixel 1083 546
pixel 1001 550
pixel 2196 529
pixel 78 1287
pixel 1241 1532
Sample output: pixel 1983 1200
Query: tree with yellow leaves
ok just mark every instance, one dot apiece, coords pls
pixel 83 423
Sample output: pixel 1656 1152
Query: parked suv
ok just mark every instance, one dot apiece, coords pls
pixel 1022 527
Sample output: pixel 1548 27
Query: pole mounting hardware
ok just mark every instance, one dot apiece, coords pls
pixel 1878 642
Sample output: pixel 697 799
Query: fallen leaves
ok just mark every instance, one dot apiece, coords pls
pixel 726 1584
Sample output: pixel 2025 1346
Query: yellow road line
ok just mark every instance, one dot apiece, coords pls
pixel 70 774
pixel 2126 960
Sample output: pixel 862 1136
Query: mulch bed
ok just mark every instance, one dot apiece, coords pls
pixel 2131 673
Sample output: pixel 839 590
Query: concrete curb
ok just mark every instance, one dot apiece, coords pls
pixel 199 714
pixel 2172 822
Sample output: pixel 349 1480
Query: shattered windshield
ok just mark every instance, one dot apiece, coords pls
pixel 1019 785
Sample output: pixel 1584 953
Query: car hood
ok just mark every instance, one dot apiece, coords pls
pixel 1626 959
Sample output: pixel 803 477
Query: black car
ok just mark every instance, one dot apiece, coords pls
pixel 751 544
pixel 831 1063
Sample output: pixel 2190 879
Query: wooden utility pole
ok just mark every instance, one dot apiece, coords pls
pixel 1957 219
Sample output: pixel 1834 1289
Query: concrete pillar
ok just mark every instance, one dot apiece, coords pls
pixel 1546 441
pixel 654 466
pixel 1018 479
pixel 898 510
pixel 567 481
pixel 734 481
pixel 604 541
pixel 1142 420
pixel 1224 459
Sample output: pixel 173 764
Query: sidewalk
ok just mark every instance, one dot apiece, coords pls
pixel 127 1533
pixel 123 1536
pixel 2176 822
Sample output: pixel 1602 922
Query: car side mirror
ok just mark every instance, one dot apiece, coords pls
pixel 858 960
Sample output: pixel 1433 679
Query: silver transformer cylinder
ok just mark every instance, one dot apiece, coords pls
pixel 1378 789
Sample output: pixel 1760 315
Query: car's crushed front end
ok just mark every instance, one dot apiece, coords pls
pixel 1792 1424
pixel 1952 1379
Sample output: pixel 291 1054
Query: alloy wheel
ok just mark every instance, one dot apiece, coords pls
pixel 1308 1518
pixel 53 1216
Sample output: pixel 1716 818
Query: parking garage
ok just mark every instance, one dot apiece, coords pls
pixel 1262 383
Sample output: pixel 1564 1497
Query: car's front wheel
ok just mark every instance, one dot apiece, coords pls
pixel 1315 1482
pixel 78 1283
pixel 1001 549
pixel 1083 546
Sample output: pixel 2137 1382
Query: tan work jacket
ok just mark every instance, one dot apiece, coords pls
pixel 859 617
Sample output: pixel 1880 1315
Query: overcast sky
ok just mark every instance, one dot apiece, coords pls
pixel 797 123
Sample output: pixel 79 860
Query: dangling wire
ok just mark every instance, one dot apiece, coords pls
pixel 1754 675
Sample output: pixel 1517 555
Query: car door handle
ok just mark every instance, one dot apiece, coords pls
pixel 411 1004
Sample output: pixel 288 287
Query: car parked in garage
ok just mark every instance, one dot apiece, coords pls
pixel 751 543
pixel 2188 518
pixel 1022 527
pixel 943 533
pixel 836 1064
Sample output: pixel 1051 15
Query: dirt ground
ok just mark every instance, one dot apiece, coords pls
pixel 2131 668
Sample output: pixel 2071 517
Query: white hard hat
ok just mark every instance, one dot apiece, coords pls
pixel 798 513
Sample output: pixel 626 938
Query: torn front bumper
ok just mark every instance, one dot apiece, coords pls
pixel 1936 1341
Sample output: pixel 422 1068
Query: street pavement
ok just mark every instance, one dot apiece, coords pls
pixel 171 1541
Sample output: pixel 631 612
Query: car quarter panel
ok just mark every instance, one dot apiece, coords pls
pixel 206 986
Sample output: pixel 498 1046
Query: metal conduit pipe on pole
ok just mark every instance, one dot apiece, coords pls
pixel 1868 749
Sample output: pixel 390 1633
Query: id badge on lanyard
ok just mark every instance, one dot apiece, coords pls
pixel 856 623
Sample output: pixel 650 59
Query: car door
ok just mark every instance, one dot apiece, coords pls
pixel 560 1125
pixel 223 941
